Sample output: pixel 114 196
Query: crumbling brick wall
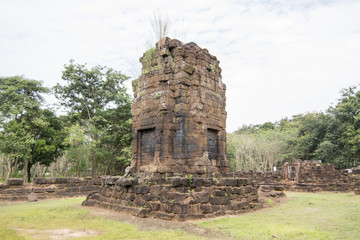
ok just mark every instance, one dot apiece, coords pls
pixel 179 112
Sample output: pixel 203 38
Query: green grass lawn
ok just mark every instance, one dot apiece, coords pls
pixel 67 213
pixel 304 216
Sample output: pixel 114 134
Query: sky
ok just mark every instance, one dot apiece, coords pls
pixel 278 58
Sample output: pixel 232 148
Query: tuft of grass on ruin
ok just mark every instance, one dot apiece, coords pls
pixel 304 216
pixel 67 213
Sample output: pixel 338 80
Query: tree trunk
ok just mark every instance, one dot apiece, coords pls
pixel 9 168
pixel 28 171
pixel 45 171
pixel 93 173
pixel 15 165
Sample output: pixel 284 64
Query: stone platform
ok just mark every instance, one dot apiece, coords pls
pixel 179 198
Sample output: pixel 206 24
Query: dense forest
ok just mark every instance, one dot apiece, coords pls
pixel 94 137
pixel 332 137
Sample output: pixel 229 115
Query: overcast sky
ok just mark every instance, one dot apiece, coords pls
pixel 279 58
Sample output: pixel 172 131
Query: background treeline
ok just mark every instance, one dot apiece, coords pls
pixel 92 138
pixel 332 137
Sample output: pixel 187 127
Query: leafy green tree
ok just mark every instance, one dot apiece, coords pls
pixel 15 144
pixel 94 97
pixel 29 134
pixel 347 115
pixel 78 153
pixel 312 131
pixel 19 95
pixel 117 140
pixel 48 136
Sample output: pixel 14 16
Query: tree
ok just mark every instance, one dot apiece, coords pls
pixel 347 115
pixel 78 153
pixel 29 134
pixel 260 147
pixel 313 128
pixel 47 138
pixel 117 140
pixel 19 95
pixel 92 95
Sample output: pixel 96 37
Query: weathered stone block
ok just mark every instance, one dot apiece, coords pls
pixel 175 196
pixel 156 190
pixel 39 190
pixel 129 197
pixel 201 197
pixel 180 208
pixel 179 182
pixel 127 182
pixel 143 213
pixel 148 197
pixel 15 181
pixel 216 200
pixel 162 215
pixel 154 206
pixel 32 197
pixel 235 205
pixel 89 203
pixel 139 189
pixel 206 208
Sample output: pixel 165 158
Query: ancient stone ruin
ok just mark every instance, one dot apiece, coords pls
pixel 179 111
pixel 179 168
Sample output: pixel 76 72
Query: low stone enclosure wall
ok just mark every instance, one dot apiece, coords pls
pixel 311 178
pixel 178 198
pixel 43 188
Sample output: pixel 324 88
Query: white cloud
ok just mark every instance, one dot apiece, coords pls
pixel 279 58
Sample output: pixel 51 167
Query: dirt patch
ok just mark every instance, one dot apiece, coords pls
pixel 148 224
pixel 56 234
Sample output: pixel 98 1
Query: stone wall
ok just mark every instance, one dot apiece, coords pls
pixel 179 198
pixel 270 184
pixel 43 188
pixel 179 115
pixel 312 178
pixel 324 178
pixel 357 187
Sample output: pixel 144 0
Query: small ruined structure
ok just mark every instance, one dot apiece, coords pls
pixel 179 168
pixel 306 176
pixel 179 112
pixel 313 176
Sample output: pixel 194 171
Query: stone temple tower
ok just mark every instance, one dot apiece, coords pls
pixel 179 112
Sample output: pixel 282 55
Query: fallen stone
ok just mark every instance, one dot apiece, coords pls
pixel 32 197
